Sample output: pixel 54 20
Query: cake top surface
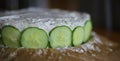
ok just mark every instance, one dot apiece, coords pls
pixel 38 17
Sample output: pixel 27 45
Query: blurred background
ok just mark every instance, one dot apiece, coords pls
pixel 105 14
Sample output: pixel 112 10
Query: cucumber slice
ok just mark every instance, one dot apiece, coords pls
pixel 60 37
pixel 33 37
pixel 78 36
pixel 88 30
pixel 11 36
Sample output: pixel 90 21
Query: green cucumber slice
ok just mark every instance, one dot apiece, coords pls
pixel 33 37
pixel 11 36
pixel 78 36
pixel 60 36
pixel 88 30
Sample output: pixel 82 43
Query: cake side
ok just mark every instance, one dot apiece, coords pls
pixel 97 49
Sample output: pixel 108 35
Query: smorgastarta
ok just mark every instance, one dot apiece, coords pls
pixel 50 35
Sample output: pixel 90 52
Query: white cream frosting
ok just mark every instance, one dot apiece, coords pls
pixel 43 18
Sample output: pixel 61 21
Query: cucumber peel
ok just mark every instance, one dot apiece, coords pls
pixel 10 36
pixel 33 37
pixel 0 39
pixel 60 36
pixel 78 36
pixel 1 42
pixel 88 30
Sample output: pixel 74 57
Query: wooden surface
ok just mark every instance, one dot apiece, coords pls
pixel 111 35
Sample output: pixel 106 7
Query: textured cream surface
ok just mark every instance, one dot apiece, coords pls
pixel 45 19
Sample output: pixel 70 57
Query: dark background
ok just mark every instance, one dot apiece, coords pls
pixel 104 13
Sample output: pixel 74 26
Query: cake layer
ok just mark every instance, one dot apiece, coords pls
pixel 41 28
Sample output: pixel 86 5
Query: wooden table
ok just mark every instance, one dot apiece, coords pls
pixel 111 35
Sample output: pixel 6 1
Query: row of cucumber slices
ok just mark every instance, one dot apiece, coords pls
pixel 33 37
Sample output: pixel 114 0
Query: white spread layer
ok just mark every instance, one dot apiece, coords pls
pixel 43 18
